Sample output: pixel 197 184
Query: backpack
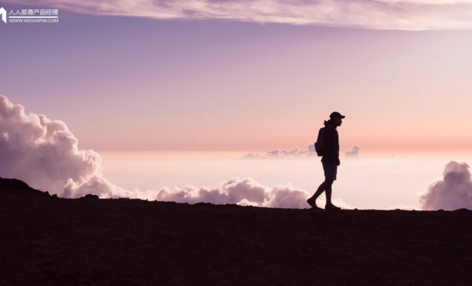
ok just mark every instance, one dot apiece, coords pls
pixel 320 144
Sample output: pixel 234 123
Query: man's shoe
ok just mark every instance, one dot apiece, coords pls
pixel 313 204
pixel 332 207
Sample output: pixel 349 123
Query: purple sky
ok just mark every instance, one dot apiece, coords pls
pixel 136 83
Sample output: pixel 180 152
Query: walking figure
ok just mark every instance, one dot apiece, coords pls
pixel 330 160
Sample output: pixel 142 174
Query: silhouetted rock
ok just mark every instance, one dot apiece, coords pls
pixel 462 210
pixel 204 204
pixel 19 187
pixel 89 197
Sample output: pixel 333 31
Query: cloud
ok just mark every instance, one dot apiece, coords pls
pixel 380 14
pixel 452 191
pixel 244 191
pixel 354 152
pixel 44 153
pixel 295 153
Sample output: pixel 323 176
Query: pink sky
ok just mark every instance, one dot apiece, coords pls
pixel 147 83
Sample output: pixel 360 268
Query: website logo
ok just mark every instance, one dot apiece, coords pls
pixel 30 15
pixel 4 15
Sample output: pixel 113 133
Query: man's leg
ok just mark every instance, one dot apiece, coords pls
pixel 329 191
pixel 331 170
pixel 325 186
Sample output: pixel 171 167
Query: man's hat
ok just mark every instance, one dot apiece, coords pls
pixel 336 114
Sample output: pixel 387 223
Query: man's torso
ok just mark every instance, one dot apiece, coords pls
pixel 332 154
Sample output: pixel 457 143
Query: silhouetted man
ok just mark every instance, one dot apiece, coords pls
pixel 330 160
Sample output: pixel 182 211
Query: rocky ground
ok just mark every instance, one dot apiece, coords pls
pixel 45 240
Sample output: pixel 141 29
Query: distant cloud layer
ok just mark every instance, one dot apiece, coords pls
pixel 453 191
pixel 296 153
pixel 380 14
pixel 354 152
pixel 285 154
pixel 44 154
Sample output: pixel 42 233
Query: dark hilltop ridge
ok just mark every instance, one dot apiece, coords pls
pixel 46 240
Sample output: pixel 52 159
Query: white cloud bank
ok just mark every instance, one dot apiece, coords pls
pixel 244 192
pixel 369 14
pixel 452 191
pixel 44 153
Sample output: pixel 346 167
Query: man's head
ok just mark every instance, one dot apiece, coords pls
pixel 337 118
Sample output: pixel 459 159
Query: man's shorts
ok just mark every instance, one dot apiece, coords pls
pixel 330 170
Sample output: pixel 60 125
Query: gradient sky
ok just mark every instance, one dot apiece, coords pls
pixel 132 83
